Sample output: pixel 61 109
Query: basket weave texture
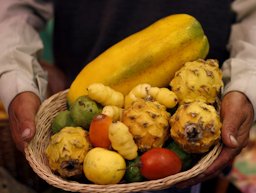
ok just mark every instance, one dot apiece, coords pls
pixel 35 155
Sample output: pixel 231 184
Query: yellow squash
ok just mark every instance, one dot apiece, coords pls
pixel 151 56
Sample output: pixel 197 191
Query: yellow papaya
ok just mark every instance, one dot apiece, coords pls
pixel 152 56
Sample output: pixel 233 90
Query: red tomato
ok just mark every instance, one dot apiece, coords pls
pixel 98 131
pixel 159 163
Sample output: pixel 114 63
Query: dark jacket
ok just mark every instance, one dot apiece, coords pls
pixel 85 28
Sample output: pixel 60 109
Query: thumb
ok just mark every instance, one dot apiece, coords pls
pixel 22 112
pixel 27 120
pixel 231 121
pixel 229 131
pixel 27 129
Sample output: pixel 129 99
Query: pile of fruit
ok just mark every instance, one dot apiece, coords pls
pixel 108 137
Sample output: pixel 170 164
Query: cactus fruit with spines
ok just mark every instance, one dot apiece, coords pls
pixel 200 80
pixel 196 127
pixel 148 122
pixel 66 151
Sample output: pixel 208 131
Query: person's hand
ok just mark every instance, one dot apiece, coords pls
pixel 22 111
pixel 237 118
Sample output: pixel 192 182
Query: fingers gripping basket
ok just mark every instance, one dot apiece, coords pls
pixel 36 158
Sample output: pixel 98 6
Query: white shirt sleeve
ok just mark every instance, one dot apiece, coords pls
pixel 20 71
pixel 239 72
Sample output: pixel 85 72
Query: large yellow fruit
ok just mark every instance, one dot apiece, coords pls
pixel 151 56
pixel 102 166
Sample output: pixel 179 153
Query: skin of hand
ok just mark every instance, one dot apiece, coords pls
pixel 24 106
pixel 237 118
pixel 22 112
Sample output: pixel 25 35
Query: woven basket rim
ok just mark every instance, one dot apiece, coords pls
pixel 35 161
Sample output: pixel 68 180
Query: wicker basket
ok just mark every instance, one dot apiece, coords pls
pixel 36 158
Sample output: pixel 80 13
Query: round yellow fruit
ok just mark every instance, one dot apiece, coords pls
pixel 102 166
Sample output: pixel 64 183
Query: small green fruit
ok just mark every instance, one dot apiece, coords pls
pixel 83 111
pixel 132 173
pixel 62 119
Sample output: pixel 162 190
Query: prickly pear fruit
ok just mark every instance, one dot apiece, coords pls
pixel 83 111
pixel 62 119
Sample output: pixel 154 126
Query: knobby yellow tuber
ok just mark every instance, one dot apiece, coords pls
pixel 122 140
pixel 143 91
pixel 105 95
pixel 164 96
pixel 113 111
